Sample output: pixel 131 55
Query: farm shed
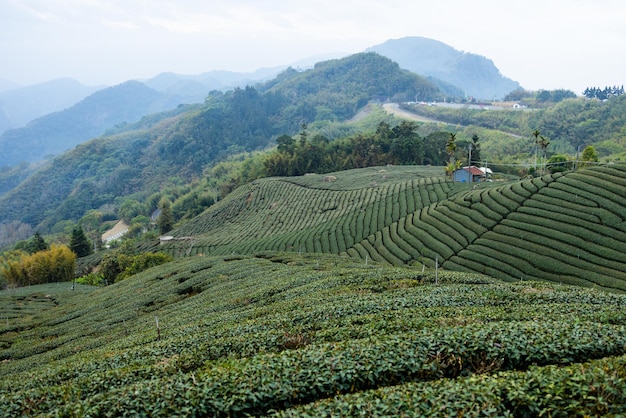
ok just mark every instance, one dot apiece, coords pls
pixel 471 174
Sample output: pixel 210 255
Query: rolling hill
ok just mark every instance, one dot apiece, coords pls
pixel 20 105
pixel 278 334
pixel 565 228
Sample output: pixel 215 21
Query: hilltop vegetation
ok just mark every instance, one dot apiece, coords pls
pixel 571 125
pixel 288 335
pixel 567 228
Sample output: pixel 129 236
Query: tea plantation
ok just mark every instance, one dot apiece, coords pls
pixel 565 228
pixel 288 334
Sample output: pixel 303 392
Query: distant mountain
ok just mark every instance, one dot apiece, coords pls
pixel 477 76
pixel 60 131
pixel 195 88
pixel 20 105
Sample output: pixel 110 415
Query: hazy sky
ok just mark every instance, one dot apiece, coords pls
pixel 542 44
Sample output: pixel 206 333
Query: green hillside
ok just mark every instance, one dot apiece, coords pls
pixel 280 334
pixel 566 228
pixel 177 146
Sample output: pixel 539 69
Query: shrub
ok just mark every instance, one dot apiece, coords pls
pixel 143 262
pixel 91 279
pixel 126 265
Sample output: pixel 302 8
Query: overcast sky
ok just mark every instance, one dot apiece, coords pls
pixel 542 44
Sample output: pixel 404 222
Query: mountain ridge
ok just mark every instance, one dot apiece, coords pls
pixel 59 131
pixel 180 143
pixel 476 75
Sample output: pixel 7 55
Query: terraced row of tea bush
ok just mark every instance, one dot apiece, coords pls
pixel 569 229
pixel 312 334
pixel 290 214
pixel 566 228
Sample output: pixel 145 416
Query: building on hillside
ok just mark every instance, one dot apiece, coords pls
pixel 118 231
pixel 486 173
pixel 470 174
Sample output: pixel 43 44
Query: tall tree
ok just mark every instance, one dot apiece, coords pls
pixel 451 147
pixel 285 144
pixel 79 243
pixel 543 143
pixel 165 220
pixel 450 150
pixel 536 134
pixel 38 244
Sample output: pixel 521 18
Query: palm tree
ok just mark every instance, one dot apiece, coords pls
pixel 543 143
pixel 536 134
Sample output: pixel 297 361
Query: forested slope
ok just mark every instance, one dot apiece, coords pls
pixel 175 147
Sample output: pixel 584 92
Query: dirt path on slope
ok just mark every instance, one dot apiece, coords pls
pixel 394 109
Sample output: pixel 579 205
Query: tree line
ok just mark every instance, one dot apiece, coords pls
pixel 603 94
pixel 398 145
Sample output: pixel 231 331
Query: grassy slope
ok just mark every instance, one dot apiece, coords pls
pixel 567 228
pixel 285 334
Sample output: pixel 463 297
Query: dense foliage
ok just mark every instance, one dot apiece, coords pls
pixel 56 264
pixel 603 94
pixel 540 98
pixel 312 335
pixel 338 89
pixel 79 243
pixel 570 125
pixel 398 145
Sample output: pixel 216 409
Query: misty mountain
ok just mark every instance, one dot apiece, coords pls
pixel 476 75
pixel 20 105
pixel 91 117
pixel 195 88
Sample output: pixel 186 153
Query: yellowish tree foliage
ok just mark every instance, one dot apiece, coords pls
pixel 54 265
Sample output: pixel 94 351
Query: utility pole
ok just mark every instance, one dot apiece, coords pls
pixel 469 166
pixel 576 162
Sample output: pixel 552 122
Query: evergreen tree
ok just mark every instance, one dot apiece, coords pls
pixel 79 243
pixel 38 244
pixel 166 218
